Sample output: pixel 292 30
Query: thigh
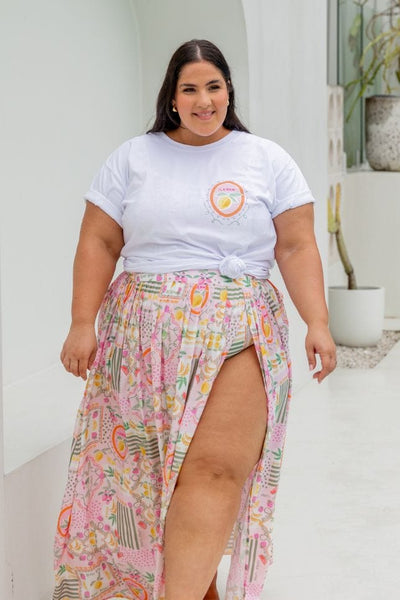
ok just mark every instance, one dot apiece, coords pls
pixel 230 434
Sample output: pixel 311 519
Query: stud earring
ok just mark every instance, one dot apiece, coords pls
pixel 174 109
pixel 227 103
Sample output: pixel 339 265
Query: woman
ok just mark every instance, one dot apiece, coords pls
pixel 179 438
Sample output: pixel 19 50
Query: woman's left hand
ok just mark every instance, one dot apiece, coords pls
pixel 319 341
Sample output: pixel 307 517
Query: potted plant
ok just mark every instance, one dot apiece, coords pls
pixel 380 62
pixel 355 313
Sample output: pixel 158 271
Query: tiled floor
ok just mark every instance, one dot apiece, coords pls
pixel 337 525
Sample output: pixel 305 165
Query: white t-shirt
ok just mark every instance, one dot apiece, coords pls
pixel 199 207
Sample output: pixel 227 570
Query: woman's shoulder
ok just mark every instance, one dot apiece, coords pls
pixel 129 150
pixel 266 144
pixel 272 152
pixel 135 141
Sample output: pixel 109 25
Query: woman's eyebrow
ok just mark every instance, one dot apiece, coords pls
pixel 194 85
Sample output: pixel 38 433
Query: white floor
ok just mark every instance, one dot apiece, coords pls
pixel 337 522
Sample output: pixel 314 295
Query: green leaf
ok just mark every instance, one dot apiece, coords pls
pixel 181 381
pixel 109 471
pixel 355 26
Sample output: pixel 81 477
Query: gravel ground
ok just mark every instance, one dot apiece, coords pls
pixel 366 358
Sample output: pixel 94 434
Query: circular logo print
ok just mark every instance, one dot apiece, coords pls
pixel 227 198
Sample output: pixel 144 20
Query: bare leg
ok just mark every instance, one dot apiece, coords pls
pixel 206 500
pixel 212 592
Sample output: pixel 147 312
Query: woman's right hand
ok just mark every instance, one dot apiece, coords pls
pixel 79 350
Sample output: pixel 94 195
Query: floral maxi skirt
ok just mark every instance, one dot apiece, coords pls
pixel 162 340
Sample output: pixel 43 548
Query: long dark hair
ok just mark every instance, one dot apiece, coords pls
pixel 192 51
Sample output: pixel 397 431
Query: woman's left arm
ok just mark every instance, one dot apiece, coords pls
pixel 299 262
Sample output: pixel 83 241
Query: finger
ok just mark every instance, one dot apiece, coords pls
pixel 66 363
pixel 331 362
pixel 312 362
pixel 74 367
pixel 91 358
pixel 320 375
pixel 82 368
pixel 328 363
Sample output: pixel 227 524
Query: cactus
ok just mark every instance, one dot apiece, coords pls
pixel 335 226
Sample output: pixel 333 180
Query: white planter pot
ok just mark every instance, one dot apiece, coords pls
pixel 356 316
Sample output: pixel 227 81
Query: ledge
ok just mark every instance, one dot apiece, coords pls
pixel 39 413
pixel 365 169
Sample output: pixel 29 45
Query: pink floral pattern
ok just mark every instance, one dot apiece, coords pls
pixel 162 341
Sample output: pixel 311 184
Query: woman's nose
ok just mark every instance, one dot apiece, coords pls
pixel 203 99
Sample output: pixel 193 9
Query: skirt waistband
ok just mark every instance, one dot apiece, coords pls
pixel 177 283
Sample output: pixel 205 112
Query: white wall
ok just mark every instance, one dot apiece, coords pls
pixel 32 503
pixel 72 96
pixel 5 579
pixel 371 218
pixel 287 44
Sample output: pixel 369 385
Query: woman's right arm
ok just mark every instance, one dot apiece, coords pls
pixel 99 247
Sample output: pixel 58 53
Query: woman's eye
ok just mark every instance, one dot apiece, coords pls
pixel 212 88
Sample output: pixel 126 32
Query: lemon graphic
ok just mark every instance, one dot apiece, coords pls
pixel 224 202
pixel 205 387
pixel 267 329
pixel 179 314
pixel 197 299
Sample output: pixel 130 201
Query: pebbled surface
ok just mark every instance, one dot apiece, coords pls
pixel 366 358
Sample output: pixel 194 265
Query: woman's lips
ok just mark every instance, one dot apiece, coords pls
pixel 205 116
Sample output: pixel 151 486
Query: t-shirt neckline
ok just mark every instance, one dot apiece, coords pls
pixel 228 137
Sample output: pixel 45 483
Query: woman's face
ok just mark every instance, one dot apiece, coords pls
pixel 201 99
